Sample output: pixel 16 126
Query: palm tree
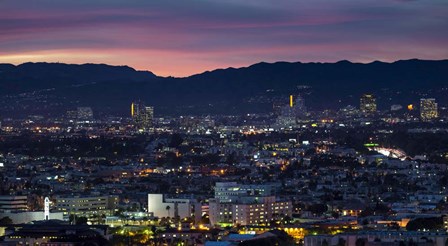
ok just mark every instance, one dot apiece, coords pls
pixel 168 210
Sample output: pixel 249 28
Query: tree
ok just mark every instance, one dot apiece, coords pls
pixel 335 214
pixel 176 140
pixel 205 219
pixel 360 242
pixel 5 221
pixel 433 223
pixel 81 221
pixel 318 209
pixel 168 210
pixel 341 242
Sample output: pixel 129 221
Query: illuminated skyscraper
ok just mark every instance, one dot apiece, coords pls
pixel 293 112
pixel 368 104
pixel 142 115
pixel 295 108
pixel 428 109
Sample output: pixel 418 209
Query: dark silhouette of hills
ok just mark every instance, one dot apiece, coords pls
pixel 37 76
pixel 231 90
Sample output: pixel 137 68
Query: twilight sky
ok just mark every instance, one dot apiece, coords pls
pixel 183 37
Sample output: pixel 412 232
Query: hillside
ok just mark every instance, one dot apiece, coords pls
pixel 231 90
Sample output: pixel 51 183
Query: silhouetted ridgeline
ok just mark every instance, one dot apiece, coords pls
pixel 231 90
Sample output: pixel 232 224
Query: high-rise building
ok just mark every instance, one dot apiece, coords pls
pixel 84 113
pixel 293 112
pixel 71 114
pixel 368 104
pixel 428 109
pixel 142 115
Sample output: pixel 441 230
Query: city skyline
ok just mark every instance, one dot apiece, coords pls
pixel 181 39
pixel 322 123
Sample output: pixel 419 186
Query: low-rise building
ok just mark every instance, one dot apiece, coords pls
pixel 163 206
pixel 91 207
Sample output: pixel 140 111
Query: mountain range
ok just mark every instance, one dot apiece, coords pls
pixel 52 88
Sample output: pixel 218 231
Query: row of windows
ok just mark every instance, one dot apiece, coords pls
pixel 86 200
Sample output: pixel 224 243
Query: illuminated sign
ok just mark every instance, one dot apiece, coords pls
pixel 371 145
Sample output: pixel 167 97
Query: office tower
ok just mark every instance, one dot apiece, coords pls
pixel 368 104
pixel 277 107
pixel 295 108
pixel 142 115
pixel 428 109
pixel 148 117
pixel 71 114
pixel 299 106
pixel 84 113
pixel 293 112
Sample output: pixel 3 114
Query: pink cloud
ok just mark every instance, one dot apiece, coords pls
pixel 181 39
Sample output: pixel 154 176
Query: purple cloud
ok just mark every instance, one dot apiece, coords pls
pixel 185 37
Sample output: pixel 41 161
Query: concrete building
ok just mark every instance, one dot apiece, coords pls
pixel 13 203
pixel 143 116
pixel 24 217
pixel 236 204
pixel 367 104
pixel 49 233
pixel 232 191
pixel 84 113
pixel 428 109
pixel 162 206
pixel 91 207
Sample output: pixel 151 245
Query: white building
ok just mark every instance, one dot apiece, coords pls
pixel 236 204
pixel 162 206
pixel 87 206
pixel 29 216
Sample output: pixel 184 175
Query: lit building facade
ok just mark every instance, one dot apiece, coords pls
pixel 236 204
pixel 250 214
pixel 142 115
pixel 91 207
pixel 84 113
pixel 367 104
pixel 428 109
pixel 293 112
